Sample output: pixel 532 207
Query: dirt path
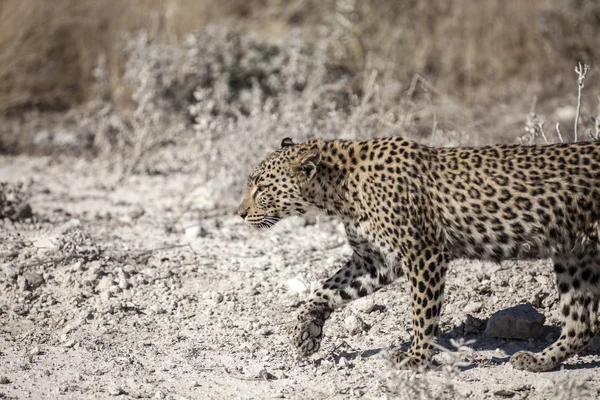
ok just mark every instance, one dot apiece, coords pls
pixel 149 295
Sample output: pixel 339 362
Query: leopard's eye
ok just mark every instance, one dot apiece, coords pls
pixel 261 188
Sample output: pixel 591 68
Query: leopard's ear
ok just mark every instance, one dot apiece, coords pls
pixel 306 166
pixel 286 142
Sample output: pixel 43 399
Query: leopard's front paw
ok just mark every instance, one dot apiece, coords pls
pixel 409 360
pixel 308 331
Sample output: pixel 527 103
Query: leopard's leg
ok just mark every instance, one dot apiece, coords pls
pixel 362 275
pixel 426 272
pixel 579 295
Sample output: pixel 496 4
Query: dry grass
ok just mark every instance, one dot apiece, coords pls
pixel 49 49
pixel 475 54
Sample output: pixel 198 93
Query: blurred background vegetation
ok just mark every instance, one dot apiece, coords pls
pixel 472 68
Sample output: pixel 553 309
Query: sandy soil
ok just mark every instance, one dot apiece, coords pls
pixel 139 289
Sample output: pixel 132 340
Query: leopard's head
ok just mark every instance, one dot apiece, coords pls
pixel 275 187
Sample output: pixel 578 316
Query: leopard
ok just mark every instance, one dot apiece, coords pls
pixel 409 209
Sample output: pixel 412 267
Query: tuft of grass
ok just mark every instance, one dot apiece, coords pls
pixel 13 202
pixel 426 384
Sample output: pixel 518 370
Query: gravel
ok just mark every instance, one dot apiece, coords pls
pixel 142 310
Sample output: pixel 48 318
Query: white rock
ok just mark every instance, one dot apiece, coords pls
pixel 156 309
pixel 123 283
pixel 216 297
pixel 115 390
pixel 473 307
pixel 354 325
pixel 298 285
pixel 10 272
pixel 365 305
pixel 35 351
pixel 104 284
pixel 193 231
pixel 255 371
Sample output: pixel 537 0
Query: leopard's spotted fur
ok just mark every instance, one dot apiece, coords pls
pixel 410 209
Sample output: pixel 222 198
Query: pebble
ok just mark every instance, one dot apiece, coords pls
pixel 519 322
pixel 342 362
pixel 159 395
pixel 104 284
pixel 196 231
pixel 31 281
pixel 192 232
pixel 36 351
pixel 115 391
pixel 4 380
pixel 255 371
pixel 473 307
pixel 354 325
pixel 365 304
pixel 216 297
pixel 123 283
pixel 10 272
pixel 156 309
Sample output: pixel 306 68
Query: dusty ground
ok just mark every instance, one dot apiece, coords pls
pixel 138 289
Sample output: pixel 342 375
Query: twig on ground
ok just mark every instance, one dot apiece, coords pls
pixel 150 251
pixel 51 260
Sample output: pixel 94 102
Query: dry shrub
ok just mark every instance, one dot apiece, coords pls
pixel 13 202
pixel 49 50
pixel 477 54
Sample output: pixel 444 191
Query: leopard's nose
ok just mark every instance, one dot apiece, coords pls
pixel 242 212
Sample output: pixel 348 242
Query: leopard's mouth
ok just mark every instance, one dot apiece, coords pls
pixel 261 221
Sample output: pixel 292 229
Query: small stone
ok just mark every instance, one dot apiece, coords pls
pixel 255 371
pixel 519 322
pixel 10 273
pixel 342 362
pixel 298 285
pixel 196 231
pixel 484 289
pixel 123 283
pixel 114 289
pixel 105 295
pixel 21 309
pixel 33 280
pixel 473 307
pixel 354 325
pixel 115 391
pixel 68 344
pixel 159 395
pixel 365 304
pixel 504 393
pixel 36 351
pixel 216 297
pixel 4 380
pixel 156 309
pixel 104 284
